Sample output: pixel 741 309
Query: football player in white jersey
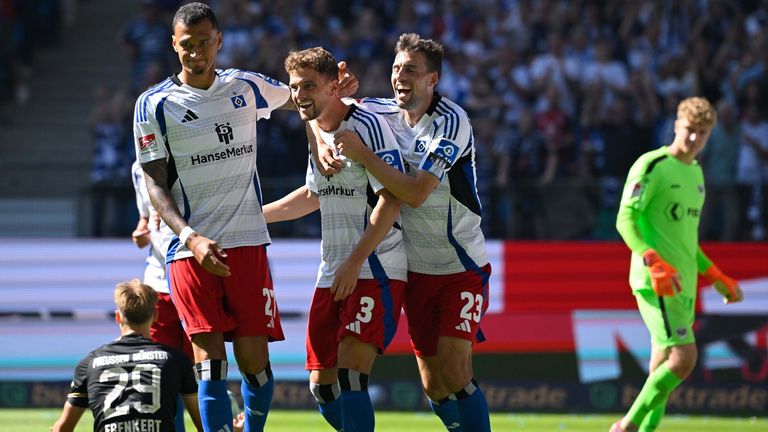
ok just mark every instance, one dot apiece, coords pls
pixel 361 280
pixel 196 141
pixel 448 269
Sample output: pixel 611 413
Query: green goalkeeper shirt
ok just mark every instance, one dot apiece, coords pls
pixel 660 209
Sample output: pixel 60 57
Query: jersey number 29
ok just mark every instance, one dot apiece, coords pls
pixel 111 408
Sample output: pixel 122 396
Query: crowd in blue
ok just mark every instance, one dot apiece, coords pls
pixel 563 95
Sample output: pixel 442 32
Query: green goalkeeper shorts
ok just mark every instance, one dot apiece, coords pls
pixel 669 319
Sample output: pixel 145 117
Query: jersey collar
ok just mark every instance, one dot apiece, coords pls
pixel 352 109
pixel 436 98
pixel 216 79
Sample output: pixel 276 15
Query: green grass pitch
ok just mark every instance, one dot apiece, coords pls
pixel 36 420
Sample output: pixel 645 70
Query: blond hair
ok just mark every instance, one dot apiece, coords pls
pixel 135 301
pixel 698 111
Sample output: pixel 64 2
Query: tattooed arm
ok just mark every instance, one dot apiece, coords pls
pixel 207 252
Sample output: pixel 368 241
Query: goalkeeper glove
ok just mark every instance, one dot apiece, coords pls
pixel 726 286
pixel 664 278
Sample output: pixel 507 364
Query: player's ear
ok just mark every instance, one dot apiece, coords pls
pixel 118 318
pixel 219 39
pixel 433 79
pixel 333 89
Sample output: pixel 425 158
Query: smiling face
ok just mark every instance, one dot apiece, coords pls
pixel 311 91
pixel 197 46
pixel 412 82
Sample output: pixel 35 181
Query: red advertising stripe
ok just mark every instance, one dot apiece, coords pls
pixel 560 276
pixel 544 282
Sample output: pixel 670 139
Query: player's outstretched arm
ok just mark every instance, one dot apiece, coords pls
pixel 207 252
pixel 70 415
pixel 296 204
pixel 191 404
pixel 410 190
pixel 382 218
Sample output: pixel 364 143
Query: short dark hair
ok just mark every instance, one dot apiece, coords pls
pixel 193 13
pixel 316 59
pixel 433 51
pixel 135 301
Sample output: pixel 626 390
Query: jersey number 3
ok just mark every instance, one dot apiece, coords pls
pixel 111 408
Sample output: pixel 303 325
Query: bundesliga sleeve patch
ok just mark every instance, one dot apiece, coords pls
pixel 147 141
pixel 392 159
pixel 637 190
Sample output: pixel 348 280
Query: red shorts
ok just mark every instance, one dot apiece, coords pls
pixel 370 314
pixel 445 305
pixel 242 304
pixel 167 330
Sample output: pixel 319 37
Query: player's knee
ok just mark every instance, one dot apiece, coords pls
pixel 435 390
pixel 251 354
pixel 208 346
pixel 456 374
pixel 356 355
pixel 682 360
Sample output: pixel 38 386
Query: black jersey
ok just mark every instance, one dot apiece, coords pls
pixel 132 384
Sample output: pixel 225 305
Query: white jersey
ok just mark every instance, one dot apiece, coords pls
pixel 208 138
pixel 154 272
pixel 347 200
pixel 442 236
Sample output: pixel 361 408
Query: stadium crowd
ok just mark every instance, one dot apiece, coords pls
pixel 25 28
pixel 564 96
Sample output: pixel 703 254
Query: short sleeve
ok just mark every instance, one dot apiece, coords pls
pixel 78 389
pixel 389 152
pixel 149 140
pixel 140 190
pixel 450 141
pixel 310 177
pixel 270 95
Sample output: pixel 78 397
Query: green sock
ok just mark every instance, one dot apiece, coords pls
pixel 657 388
pixel 653 418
